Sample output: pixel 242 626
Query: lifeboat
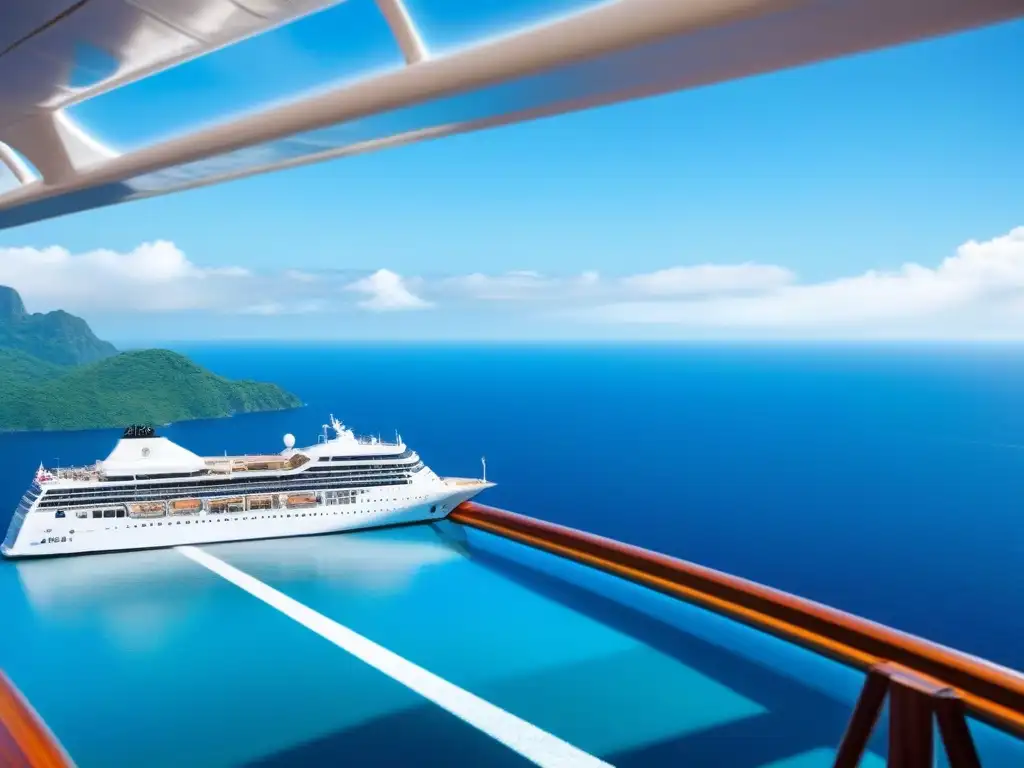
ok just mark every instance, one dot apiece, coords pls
pixel 259 502
pixel 301 500
pixel 186 506
pixel 236 504
pixel 147 509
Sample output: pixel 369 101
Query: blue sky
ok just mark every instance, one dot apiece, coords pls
pixel 781 206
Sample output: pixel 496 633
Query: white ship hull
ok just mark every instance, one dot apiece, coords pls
pixel 42 535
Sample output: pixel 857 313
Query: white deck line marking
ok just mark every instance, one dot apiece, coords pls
pixel 528 740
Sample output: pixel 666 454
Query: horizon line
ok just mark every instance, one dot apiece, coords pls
pixel 129 344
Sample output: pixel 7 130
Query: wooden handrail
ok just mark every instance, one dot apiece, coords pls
pixel 25 741
pixel 991 693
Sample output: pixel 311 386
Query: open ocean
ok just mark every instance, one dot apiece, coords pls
pixel 887 481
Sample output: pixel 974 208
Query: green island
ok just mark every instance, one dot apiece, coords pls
pixel 55 374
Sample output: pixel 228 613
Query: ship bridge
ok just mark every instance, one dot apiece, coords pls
pixel 489 638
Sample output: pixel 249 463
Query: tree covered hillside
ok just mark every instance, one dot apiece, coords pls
pixel 153 386
pixel 56 375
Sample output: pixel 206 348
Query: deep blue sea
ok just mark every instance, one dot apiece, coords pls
pixel 887 481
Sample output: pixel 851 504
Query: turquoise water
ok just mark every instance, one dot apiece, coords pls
pixel 884 483
pixel 148 658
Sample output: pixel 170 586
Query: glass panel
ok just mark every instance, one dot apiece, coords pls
pixel 446 24
pixel 7 179
pixel 476 109
pixel 341 42
pixel 658 67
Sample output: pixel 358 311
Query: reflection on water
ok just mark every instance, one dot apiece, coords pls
pixel 87 582
pixel 91 638
pixel 377 560
pixel 140 601
pixel 629 675
pixel 134 599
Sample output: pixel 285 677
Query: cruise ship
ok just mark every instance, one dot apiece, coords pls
pixel 150 492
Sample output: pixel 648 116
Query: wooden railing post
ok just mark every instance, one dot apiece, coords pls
pixel 916 702
pixel 956 736
pixel 911 735
pixel 862 722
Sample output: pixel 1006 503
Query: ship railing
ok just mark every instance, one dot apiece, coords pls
pixel 927 685
pixel 364 440
pixel 253 463
pixel 24 738
pixel 77 473
pixel 464 481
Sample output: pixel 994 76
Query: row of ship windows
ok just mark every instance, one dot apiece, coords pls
pixel 118 495
pixel 331 498
pixel 236 481
pixel 381 457
pixel 235 518
pixel 368 470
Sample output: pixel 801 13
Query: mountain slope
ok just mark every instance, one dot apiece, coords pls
pixel 56 337
pixel 18 368
pixel 152 386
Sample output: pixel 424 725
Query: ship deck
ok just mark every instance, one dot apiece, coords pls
pixel 257 464
pixel 476 649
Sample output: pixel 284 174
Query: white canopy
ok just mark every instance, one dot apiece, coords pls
pixel 150 456
pixel 602 53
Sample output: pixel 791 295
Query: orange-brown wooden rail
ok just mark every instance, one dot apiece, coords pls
pixel 989 692
pixel 25 742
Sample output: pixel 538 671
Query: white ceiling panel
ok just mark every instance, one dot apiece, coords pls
pixel 613 52
pixel 210 21
pixel 76 49
pixel 20 18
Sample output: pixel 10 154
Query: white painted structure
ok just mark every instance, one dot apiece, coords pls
pixel 150 492
pixel 608 52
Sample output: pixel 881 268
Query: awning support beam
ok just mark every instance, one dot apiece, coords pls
pixel 404 29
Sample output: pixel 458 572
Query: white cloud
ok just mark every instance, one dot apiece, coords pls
pixel 709 278
pixel 386 291
pixel 520 285
pixel 524 285
pixel 153 276
pixel 229 271
pixel 976 292
pixel 270 308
